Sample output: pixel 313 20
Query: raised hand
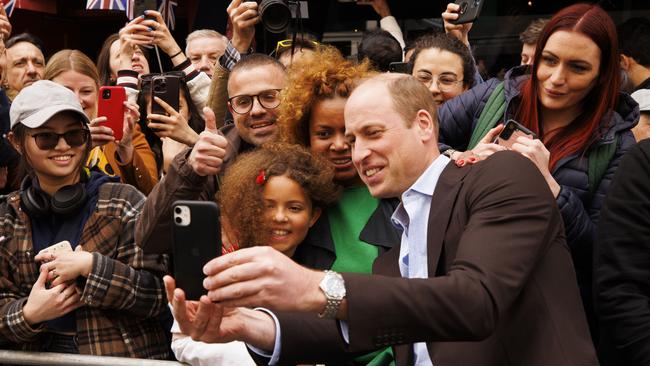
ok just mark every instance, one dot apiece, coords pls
pixel 162 37
pixel 460 31
pixel 100 135
pixel 243 16
pixel 173 125
pixel 210 322
pixel 210 148
pixel 262 276
pixel 125 145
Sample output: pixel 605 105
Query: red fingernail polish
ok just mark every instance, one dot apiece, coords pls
pixel 472 159
pixel 460 162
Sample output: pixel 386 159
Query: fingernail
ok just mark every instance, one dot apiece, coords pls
pixel 472 159
pixel 460 162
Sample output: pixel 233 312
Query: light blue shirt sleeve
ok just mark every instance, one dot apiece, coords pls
pixel 275 356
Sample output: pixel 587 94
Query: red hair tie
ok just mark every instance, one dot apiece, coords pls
pixel 261 178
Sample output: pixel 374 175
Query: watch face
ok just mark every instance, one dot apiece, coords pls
pixel 334 286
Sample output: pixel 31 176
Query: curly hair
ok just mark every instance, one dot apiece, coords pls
pixel 332 76
pixel 451 44
pixel 241 195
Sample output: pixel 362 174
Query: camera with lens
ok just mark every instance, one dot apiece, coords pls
pixel 276 14
pixel 106 94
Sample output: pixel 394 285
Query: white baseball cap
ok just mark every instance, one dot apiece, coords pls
pixel 37 103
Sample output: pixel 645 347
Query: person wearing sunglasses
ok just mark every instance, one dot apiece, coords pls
pixel 72 279
pixel 287 51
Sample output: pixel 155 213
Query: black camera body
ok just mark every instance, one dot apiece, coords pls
pixel 275 14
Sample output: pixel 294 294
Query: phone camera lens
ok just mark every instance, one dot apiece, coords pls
pixel 178 210
pixel 106 94
pixel 178 220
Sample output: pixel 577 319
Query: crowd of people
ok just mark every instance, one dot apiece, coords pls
pixel 367 216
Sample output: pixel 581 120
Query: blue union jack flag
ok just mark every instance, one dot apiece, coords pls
pixel 9 6
pixel 106 4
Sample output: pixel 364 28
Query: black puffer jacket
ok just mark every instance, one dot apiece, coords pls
pixel 580 212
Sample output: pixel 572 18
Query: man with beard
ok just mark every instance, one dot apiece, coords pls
pixel 254 88
pixel 25 63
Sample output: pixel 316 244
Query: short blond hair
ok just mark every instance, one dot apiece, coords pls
pixel 203 33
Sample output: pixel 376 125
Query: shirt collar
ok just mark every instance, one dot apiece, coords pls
pixel 427 182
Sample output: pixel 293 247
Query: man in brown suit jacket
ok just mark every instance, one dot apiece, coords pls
pixel 483 275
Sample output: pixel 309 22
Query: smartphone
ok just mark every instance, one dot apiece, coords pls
pixel 400 67
pixel 165 87
pixel 60 247
pixel 469 11
pixel 197 240
pixel 511 131
pixel 111 106
pixel 139 6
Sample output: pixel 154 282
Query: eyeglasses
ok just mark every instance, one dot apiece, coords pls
pixel 242 104
pixel 444 82
pixel 49 140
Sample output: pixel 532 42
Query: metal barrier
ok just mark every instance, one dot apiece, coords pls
pixel 49 358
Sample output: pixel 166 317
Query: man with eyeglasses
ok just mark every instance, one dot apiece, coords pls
pixel 254 89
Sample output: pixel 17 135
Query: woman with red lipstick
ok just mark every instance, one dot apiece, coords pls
pixel 570 98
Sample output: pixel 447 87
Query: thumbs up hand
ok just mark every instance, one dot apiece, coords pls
pixel 210 149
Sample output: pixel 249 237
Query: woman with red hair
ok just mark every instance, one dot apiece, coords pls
pixel 570 99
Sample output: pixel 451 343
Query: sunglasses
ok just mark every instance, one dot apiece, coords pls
pixel 286 43
pixel 49 140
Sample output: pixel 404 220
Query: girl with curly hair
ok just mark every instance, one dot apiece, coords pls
pixel 357 227
pixel 270 196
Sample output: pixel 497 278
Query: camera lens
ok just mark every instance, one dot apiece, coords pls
pixel 178 220
pixel 177 210
pixel 106 94
pixel 275 15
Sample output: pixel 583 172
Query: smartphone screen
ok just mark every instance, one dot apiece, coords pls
pixel 197 240
pixel 111 106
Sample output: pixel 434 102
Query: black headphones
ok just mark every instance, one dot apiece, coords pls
pixel 67 200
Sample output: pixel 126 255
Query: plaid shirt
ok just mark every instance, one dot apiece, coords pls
pixel 123 295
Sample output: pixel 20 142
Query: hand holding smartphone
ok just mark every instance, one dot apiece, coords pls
pixel 111 106
pixel 197 240
pixel 165 87
pixel 468 12
pixel 60 247
pixel 511 131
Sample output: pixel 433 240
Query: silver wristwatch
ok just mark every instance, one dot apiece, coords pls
pixel 333 286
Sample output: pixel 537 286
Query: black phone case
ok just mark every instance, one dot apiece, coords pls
pixel 165 87
pixel 195 245
pixel 469 11
pixel 139 6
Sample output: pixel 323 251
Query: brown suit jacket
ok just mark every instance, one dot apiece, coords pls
pixel 501 287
